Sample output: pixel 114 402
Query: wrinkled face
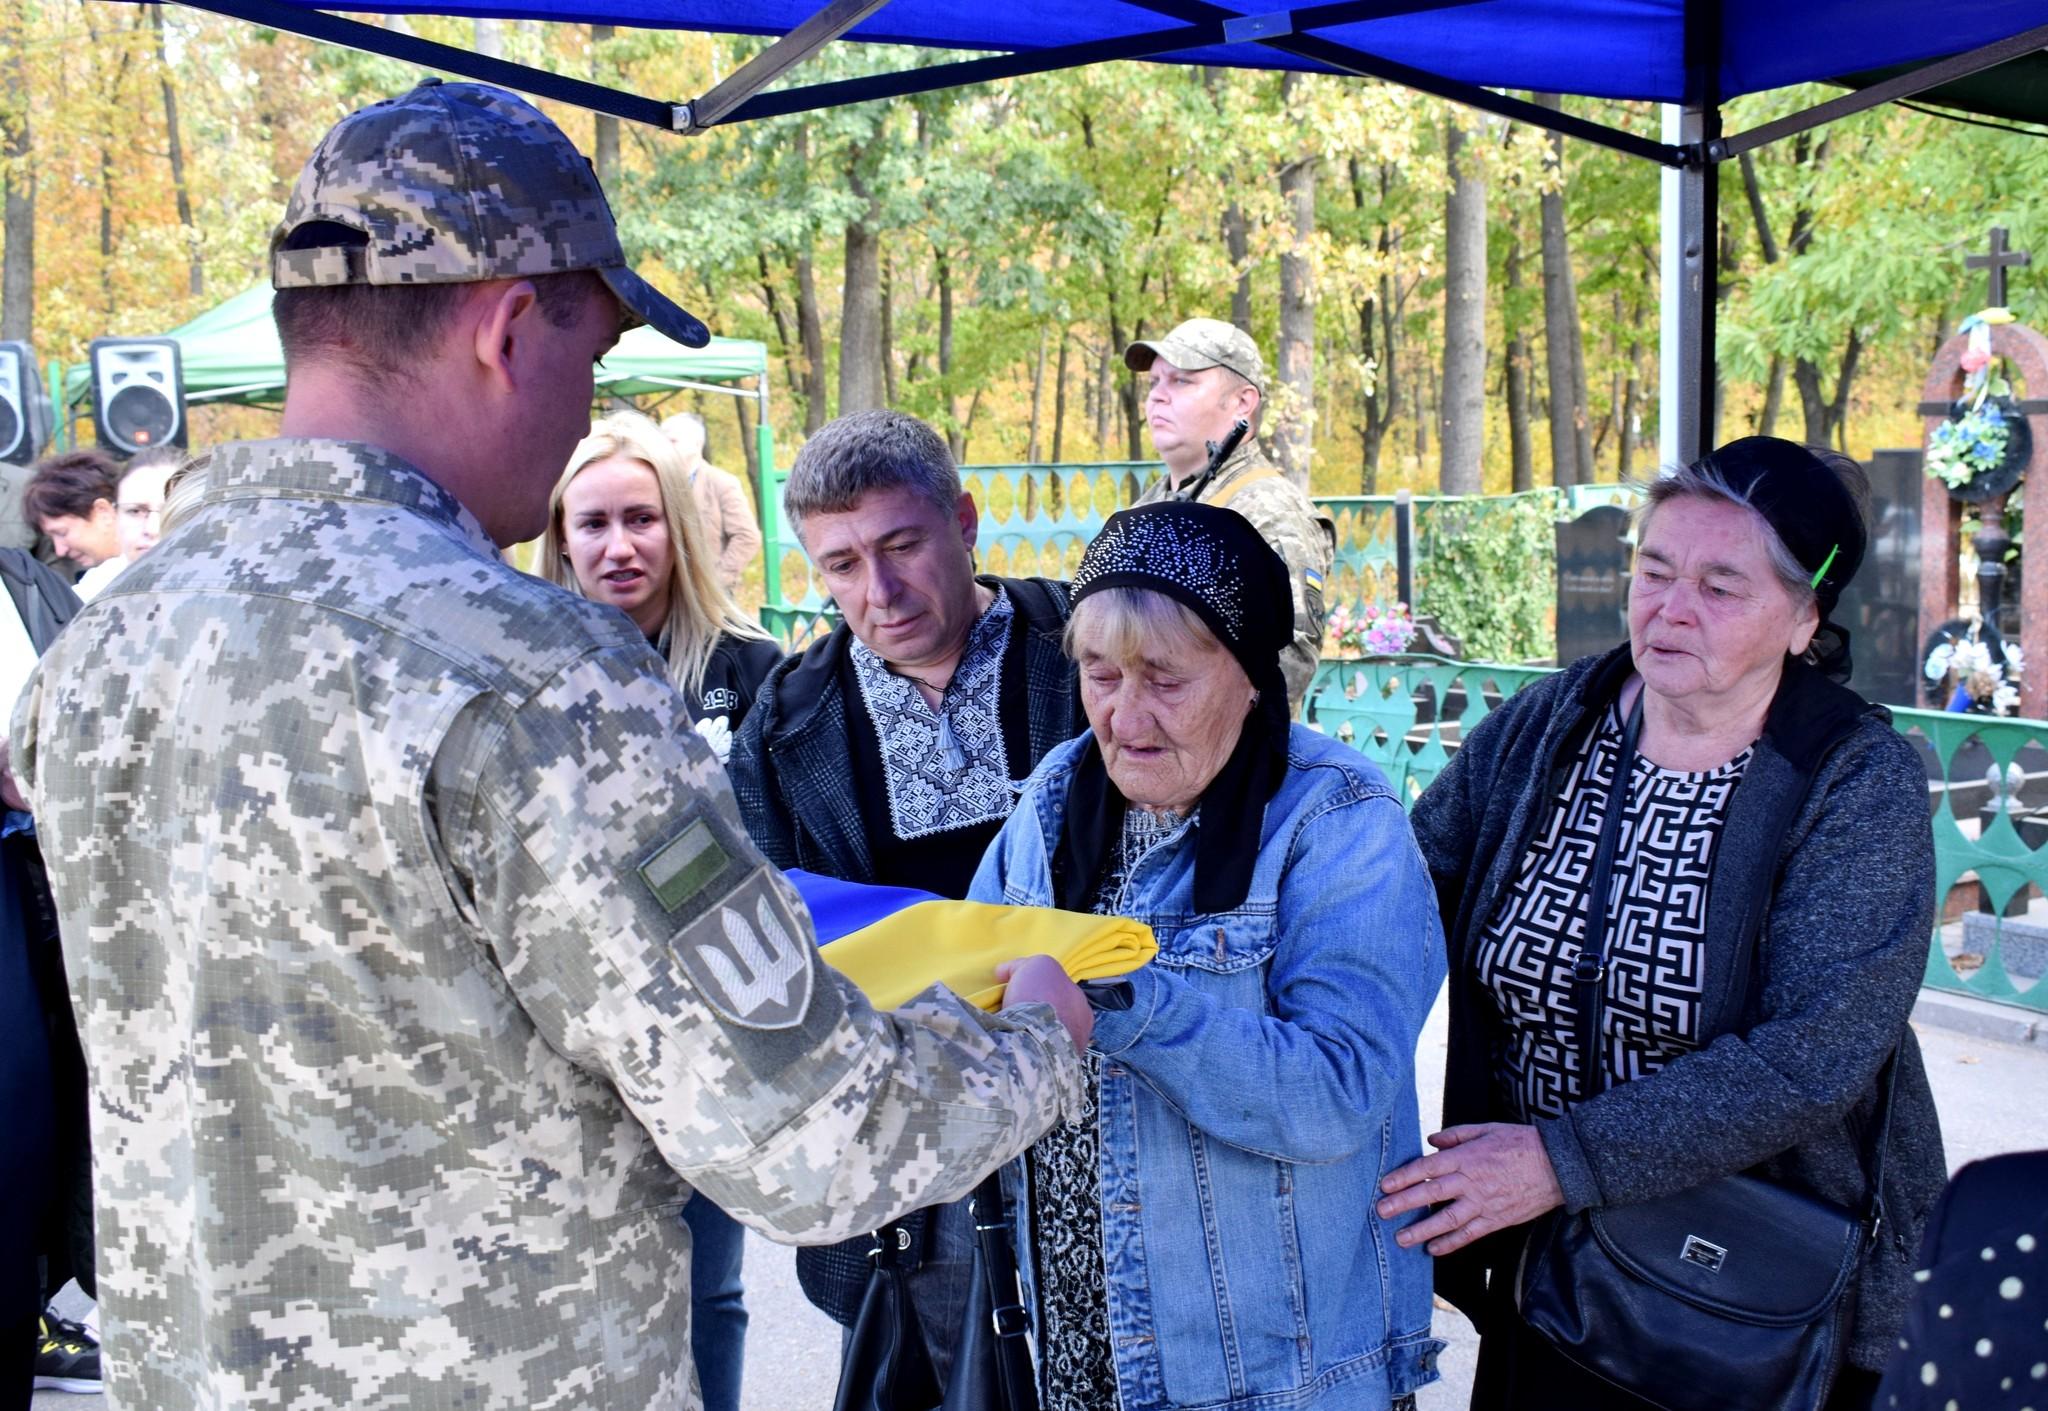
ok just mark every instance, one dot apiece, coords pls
pixel 1707 614
pixel 902 572
pixel 87 540
pixel 1188 409
pixel 139 515
pixel 1166 718
pixel 616 536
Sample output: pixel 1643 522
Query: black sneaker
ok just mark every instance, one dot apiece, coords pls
pixel 67 1358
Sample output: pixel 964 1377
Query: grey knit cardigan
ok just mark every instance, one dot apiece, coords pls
pixel 1787 1088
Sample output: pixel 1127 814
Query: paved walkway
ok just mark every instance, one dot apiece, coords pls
pixel 1989 1092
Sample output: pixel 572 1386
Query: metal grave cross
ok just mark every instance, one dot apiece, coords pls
pixel 1998 261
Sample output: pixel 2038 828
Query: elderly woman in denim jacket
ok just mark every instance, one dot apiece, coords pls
pixel 1765 802
pixel 1205 1236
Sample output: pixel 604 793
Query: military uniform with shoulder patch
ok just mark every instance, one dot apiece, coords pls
pixel 1253 485
pixel 425 968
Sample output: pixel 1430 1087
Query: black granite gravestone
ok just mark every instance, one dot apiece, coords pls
pixel 1592 583
pixel 1881 605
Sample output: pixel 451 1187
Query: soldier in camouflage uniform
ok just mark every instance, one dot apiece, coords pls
pixel 1203 376
pixel 422 964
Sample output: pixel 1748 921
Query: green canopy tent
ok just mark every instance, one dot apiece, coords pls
pixel 230 354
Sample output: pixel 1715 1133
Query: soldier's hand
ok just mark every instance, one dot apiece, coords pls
pixel 1038 979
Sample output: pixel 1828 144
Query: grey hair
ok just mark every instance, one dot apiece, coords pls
pixel 866 451
pixel 1702 480
pixel 1133 618
pixel 689 423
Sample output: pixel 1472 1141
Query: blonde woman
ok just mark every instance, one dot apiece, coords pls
pixel 623 529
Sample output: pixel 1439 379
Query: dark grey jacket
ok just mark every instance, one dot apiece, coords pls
pixel 792 764
pixel 1789 1087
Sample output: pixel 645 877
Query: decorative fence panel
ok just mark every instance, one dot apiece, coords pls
pixel 1987 787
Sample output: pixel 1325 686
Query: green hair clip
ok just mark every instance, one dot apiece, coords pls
pixel 1825 564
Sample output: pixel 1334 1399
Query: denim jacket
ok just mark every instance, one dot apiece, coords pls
pixel 1260 1084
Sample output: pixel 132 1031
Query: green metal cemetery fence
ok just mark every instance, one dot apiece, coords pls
pixel 1987 790
pixel 1036 519
pixel 1987 777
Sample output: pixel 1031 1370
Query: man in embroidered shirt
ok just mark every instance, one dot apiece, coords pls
pixel 888 752
pixel 455 970
pixel 1202 377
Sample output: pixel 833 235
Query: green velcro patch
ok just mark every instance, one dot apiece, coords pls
pixel 685 865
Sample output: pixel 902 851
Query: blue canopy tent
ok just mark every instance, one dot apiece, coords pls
pixel 1691 55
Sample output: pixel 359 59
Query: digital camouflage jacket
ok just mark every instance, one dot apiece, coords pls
pixel 421 962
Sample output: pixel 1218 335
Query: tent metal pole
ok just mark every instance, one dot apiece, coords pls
pixel 1687 296
pixel 774 61
pixel 1360 64
pixel 1904 85
pixel 1202 35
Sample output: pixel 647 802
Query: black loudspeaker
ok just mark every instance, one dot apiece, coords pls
pixel 138 394
pixel 24 406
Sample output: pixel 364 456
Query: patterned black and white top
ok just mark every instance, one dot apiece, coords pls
pixel 946 768
pixel 1066 1201
pixel 1656 935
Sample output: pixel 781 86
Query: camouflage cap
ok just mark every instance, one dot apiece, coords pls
pixel 453 183
pixel 1200 343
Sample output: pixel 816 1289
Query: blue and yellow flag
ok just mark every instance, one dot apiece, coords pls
pixel 896 942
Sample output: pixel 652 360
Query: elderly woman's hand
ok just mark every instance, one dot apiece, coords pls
pixel 1485 1177
pixel 1041 979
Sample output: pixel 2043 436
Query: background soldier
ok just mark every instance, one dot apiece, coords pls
pixel 1202 377
pixel 415 939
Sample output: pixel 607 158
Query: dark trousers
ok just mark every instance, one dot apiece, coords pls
pixel 28 1154
pixel 1520 1371
pixel 718 1311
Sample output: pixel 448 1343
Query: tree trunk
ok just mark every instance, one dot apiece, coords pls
pixel 1774 395
pixel 604 140
pixel 1104 371
pixel 197 276
pixel 781 321
pixel 1294 435
pixel 810 327
pixel 1037 398
pixel 810 320
pixel 967 427
pixel 1516 374
pixel 18 180
pixel 1461 429
pixel 860 327
pixel 1562 355
pixel 107 228
pixel 1237 243
pixel 490 38
pixel 1126 385
pixel 944 274
pixel 1625 459
pixel 1059 399
pixel 888 298
pixel 1377 331
pixel 1582 402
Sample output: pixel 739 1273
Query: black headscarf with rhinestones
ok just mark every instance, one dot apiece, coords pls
pixel 1212 560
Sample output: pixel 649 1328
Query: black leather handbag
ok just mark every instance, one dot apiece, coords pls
pixel 887 1366
pixel 1729 1295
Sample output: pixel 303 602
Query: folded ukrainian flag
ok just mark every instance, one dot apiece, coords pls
pixel 895 942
